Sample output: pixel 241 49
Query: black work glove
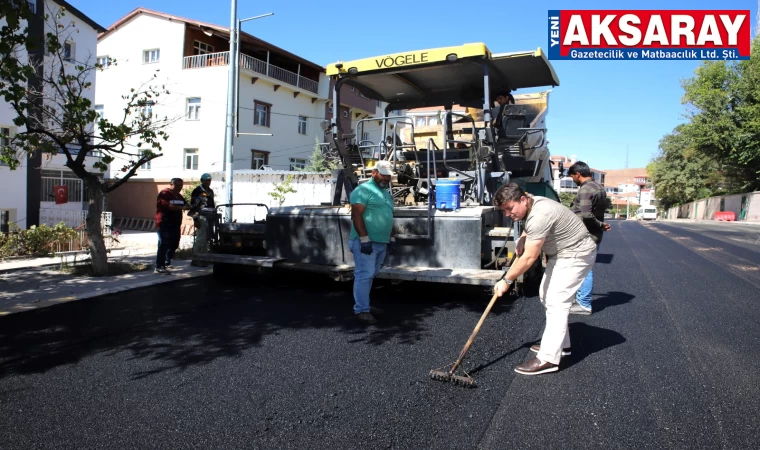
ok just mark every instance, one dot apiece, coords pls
pixel 366 247
pixel 391 250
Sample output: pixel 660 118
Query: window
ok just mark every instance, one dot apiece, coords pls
pixel 261 113
pixel 191 159
pixel 5 139
pixel 345 113
pixel 420 122
pixel 297 164
pixel 99 112
pixel 301 125
pixel 433 121
pixel 146 111
pixel 151 56
pixel 201 48
pixel 259 159
pixel 5 136
pixel 51 178
pixel 379 103
pixel 193 108
pixel 104 61
pixel 145 166
pixel 68 51
pixel 567 184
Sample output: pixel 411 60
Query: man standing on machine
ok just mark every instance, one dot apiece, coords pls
pixel 204 216
pixel 504 99
pixel 570 252
pixel 371 236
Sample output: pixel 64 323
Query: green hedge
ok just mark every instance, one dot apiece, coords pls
pixel 36 241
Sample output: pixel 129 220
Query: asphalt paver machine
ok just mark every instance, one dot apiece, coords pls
pixel 466 241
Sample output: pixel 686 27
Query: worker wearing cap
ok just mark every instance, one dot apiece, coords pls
pixel 371 236
pixel 204 215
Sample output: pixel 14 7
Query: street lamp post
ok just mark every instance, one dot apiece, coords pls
pixel 237 77
pixel 232 102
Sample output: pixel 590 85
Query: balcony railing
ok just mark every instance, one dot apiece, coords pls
pixel 252 64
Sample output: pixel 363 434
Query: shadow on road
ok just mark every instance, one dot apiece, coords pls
pixel 196 321
pixel 587 340
pixel 610 299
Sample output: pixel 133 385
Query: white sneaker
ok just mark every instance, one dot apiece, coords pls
pixel 580 310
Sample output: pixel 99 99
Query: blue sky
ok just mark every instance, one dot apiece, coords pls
pixel 600 109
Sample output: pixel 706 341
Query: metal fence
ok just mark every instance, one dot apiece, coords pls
pixel 74 186
pixel 76 219
pixel 252 64
pixel 207 60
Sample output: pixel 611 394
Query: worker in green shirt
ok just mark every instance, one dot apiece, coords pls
pixel 371 236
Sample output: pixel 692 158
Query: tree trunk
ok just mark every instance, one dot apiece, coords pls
pixel 98 254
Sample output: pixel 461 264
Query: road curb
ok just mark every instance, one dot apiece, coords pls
pixel 158 279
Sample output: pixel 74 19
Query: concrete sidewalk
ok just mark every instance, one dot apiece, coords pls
pixel 31 283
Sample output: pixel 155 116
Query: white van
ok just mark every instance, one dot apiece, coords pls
pixel 646 213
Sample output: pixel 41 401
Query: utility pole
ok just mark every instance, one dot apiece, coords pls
pixel 229 136
pixel 233 89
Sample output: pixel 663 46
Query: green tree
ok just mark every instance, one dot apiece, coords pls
pixel 723 101
pixel 55 117
pixel 681 174
pixel 566 198
pixel 318 162
pixel 281 190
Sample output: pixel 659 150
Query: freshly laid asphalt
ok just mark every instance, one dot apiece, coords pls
pixel 670 359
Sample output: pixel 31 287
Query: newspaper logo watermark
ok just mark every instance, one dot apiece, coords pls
pixel 649 34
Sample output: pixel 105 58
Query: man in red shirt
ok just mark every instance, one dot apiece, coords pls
pixel 169 207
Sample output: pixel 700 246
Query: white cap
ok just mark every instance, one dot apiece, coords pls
pixel 384 167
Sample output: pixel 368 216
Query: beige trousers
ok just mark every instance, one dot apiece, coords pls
pixel 562 278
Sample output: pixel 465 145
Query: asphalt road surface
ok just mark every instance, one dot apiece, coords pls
pixel 669 359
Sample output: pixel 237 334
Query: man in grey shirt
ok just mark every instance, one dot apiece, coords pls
pixel 554 229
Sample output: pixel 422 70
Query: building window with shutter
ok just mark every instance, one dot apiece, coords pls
pixel 261 113
pixel 151 56
pixel 301 125
pixel 259 159
pixel 191 159
pixel 297 164
pixel 193 108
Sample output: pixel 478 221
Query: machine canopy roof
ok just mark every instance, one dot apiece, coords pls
pixel 448 75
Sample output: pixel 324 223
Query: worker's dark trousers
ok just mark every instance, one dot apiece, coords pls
pixel 168 242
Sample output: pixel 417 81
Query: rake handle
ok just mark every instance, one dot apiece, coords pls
pixel 474 333
pixel 466 347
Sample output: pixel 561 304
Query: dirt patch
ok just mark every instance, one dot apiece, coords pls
pixel 114 268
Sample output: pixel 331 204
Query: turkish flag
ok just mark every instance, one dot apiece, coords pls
pixel 61 194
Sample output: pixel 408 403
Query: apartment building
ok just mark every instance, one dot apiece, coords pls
pixel 29 197
pixel 634 183
pixel 280 93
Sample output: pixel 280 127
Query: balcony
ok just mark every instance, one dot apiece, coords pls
pixel 252 64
